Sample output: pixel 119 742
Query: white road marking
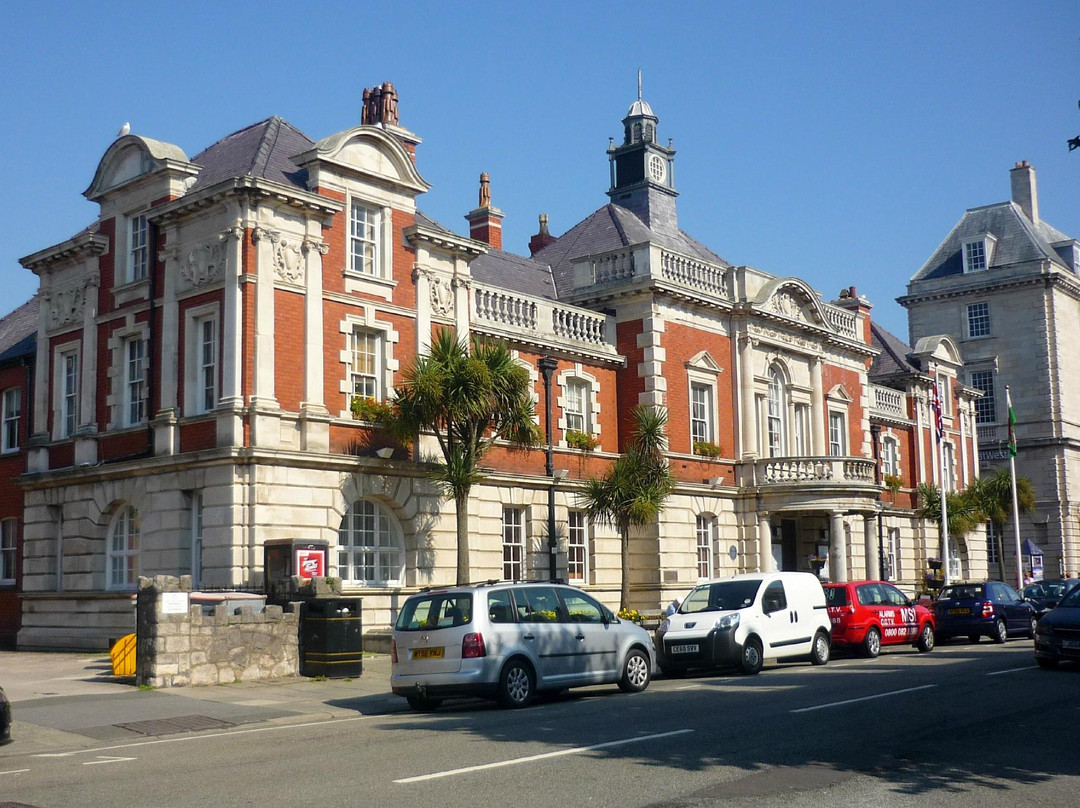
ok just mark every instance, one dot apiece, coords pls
pixel 106 759
pixel 864 698
pixel 1013 670
pixel 574 750
pixel 689 687
pixel 15 771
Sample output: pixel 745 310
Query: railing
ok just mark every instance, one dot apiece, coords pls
pixel 837 470
pixel 692 273
pixel 989 433
pixel 888 401
pixel 611 267
pixel 841 319
pixel 517 315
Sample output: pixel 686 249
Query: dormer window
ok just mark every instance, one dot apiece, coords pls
pixel 977 253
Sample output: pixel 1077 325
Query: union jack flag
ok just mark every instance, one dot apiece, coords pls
pixel 935 405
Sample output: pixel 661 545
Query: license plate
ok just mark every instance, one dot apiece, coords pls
pixel 690 648
pixel 1072 644
pixel 959 611
pixel 427 653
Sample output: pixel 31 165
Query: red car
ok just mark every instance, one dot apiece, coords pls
pixel 869 614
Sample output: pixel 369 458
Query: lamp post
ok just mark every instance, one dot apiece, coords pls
pixel 547 366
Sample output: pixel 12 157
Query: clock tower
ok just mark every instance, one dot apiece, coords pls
pixel 642 178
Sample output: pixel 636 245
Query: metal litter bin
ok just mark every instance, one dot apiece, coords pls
pixel 331 638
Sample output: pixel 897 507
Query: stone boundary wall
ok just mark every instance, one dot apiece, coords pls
pixel 191 648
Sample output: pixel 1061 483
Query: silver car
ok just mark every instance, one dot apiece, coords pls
pixel 510 640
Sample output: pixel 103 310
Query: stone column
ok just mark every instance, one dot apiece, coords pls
pixel 870 542
pixel 232 320
pixel 86 450
pixel 264 394
pixel 818 444
pixel 422 279
pixel 837 548
pixel 765 562
pixel 462 308
pixel 748 426
pixel 314 250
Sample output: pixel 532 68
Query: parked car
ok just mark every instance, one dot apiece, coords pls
pixel 1057 636
pixel 1045 595
pixel 510 640
pixel 5 718
pixel 988 608
pixel 869 614
pixel 745 621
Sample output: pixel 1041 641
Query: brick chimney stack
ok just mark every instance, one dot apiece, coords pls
pixel 541 239
pixel 1024 192
pixel 485 221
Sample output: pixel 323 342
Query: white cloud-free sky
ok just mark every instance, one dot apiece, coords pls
pixel 835 141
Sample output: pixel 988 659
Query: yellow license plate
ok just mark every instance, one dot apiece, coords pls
pixel 427 653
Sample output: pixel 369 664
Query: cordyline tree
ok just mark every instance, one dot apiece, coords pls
pixel 963 509
pixel 469 400
pixel 994 495
pixel 633 491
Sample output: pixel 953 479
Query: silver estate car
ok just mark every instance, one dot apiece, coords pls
pixel 508 641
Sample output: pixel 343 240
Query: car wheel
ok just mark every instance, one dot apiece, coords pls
pixel 751 660
pixel 517 684
pixel 1001 633
pixel 926 638
pixel 636 672
pixel 1031 631
pixel 819 653
pixel 871 644
pixel 1046 663
pixel 424 704
pixel 974 637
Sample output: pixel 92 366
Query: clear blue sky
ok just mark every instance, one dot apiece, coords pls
pixel 837 142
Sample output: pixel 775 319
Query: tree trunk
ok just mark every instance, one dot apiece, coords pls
pixel 624 595
pixel 461 504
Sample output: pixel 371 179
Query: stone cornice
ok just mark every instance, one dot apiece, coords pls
pixel 1068 283
pixel 441 239
pixel 84 245
pixel 259 190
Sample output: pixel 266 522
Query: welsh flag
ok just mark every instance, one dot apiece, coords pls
pixel 1012 431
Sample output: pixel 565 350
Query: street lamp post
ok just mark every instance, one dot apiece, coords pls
pixel 547 366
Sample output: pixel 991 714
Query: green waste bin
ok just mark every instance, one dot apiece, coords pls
pixel 331 638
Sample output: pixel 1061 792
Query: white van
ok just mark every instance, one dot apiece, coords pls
pixel 745 621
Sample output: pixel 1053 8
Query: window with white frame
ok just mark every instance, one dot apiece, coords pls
pixel 370 548
pixel 10 412
pixel 837 434
pixel 705 532
pixel 134 381
pixel 975 255
pixel 196 538
pixel 950 467
pixel 702 423
pixel 365 363
pixel 576 406
pixel 513 544
pixel 207 341
pixel 893 555
pixel 800 430
pixel 138 249
pixel 777 414
pixel 890 456
pixel 69 393
pixel 8 529
pixel 365 223
pixel 577 547
pixel 978 320
pixel 985 407
pixel 123 553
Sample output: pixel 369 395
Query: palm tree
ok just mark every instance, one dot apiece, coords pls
pixel 633 491
pixel 994 494
pixel 469 400
pixel 963 507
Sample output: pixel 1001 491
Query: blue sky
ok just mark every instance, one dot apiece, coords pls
pixel 837 142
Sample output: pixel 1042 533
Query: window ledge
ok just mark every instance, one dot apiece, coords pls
pixel 369 284
pixel 135 290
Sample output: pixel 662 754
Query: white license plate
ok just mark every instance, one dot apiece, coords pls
pixel 1072 644
pixel 689 648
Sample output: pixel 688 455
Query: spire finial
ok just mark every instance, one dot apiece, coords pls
pixel 639 85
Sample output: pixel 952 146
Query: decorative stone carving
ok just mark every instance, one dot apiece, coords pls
pixel 204 263
pixel 288 261
pixel 773 335
pixel 785 304
pixel 236 233
pixel 322 248
pixel 442 297
pixel 66 306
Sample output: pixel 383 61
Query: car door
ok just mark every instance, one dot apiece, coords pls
pixel 1018 610
pixel 546 633
pixel 596 638
pixel 905 623
pixel 782 635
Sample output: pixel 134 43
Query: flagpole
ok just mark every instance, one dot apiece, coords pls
pixel 938 433
pixel 1012 481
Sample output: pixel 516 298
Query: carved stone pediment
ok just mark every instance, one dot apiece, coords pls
pixel 785 304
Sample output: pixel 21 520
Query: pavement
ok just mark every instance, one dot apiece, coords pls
pixel 65 700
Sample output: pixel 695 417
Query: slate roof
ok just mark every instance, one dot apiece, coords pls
pixel 1018 240
pixel 609 228
pixel 525 275
pixel 893 359
pixel 18 331
pixel 263 150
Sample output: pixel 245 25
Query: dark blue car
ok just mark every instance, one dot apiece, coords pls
pixel 987 609
pixel 1058 636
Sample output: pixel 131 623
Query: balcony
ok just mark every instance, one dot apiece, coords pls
pixel 839 471
pixel 888 402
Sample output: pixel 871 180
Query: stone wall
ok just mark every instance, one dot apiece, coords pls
pixel 192 648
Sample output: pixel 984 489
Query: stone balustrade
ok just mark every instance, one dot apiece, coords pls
pixel 837 470
pixel 516 316
pixel 888 401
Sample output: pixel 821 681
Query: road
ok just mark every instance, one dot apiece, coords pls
pixel 966 725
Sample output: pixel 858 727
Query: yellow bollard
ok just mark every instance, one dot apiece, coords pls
pixel 123 656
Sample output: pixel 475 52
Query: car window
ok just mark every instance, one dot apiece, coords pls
pixel 967 592
pixel 774 599
pixel 836 596
pixel 868 595
pixel 1071 599
pixel 580 608
pixel 500 607
pixel 442 610
pixel 893 596
pixel 1008 594
pixel 539 604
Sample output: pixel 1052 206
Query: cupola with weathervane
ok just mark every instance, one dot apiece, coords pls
pixel 642 177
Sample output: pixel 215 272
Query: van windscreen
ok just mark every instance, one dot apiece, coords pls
pixel 720 597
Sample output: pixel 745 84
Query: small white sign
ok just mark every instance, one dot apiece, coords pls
pixel 174 602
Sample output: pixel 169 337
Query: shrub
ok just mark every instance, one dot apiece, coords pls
pixel 581 440
pixel 707 448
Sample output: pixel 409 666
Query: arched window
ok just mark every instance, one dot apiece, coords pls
pixel 123 550
pixel 777 414
pixel 370 549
